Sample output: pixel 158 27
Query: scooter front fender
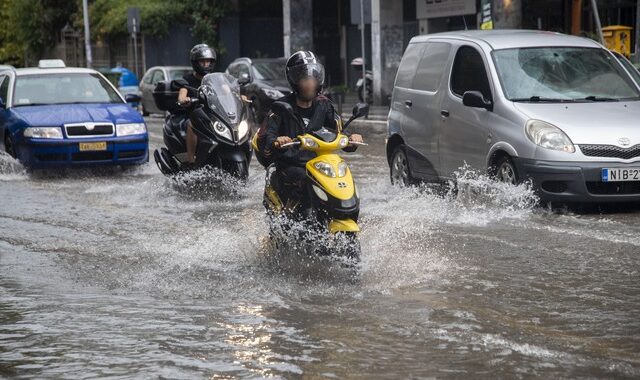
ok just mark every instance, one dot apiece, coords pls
pixel 343 225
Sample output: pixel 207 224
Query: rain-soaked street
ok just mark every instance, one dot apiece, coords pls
pixel 127 274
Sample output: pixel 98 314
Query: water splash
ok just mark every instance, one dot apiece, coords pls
pixel 11 169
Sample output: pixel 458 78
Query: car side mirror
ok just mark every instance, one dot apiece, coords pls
pixel 360 110
pixel 475 99
pixel 244 78
pixel 132 98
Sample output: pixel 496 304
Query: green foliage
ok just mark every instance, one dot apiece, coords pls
pixel 30 26
pixel 109 17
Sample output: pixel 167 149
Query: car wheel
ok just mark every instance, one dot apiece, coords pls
pixel 505 171
pixel 8 145
pixel 400 173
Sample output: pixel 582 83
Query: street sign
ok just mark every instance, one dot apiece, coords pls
pixel 486 21
pixel 133 20
pixel 444 8
pixel 355 11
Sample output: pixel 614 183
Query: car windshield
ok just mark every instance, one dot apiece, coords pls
pixel 562 74
pixel 269 70
pixel 43 89
pixel 178 74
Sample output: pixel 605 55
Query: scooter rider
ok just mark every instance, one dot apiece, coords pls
pixel 304 110
pixel 203 60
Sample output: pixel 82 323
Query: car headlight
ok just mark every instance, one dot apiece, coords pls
pixel 222 130
pixel 43 132
pixel 272 93
pixel 243 128
pixel 308 142
pixel 325 169
pixel 320 193
pixel 548 136
pixel 342 169
pixel 130 129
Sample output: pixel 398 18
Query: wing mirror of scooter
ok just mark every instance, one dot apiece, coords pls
pixel 244 79
pixel 360 110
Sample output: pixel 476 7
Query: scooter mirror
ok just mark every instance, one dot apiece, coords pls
pixel 360 110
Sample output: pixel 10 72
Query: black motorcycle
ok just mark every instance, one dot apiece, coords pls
pixel 218 117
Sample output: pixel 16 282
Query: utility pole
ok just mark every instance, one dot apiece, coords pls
pixel 364 66
pixel 596 16
pixel 135 47
pixel 87 33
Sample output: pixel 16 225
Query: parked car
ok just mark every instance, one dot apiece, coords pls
pixel 262 81
pixel 127 82
pixel 150 80
pixel 6 67
pixel 54 116
pixel 559 110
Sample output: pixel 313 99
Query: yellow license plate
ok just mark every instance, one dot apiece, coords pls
pixel 102 145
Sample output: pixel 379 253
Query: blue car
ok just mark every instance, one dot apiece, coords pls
pixel 53 116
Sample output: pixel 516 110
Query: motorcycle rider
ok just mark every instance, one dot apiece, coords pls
pixel 302 111
pixel 203 60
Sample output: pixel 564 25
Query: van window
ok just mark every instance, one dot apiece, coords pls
pixel 408 65
pixel 431 67
pixel 469 73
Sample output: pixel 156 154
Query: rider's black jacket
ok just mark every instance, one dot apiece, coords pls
pixel 284 120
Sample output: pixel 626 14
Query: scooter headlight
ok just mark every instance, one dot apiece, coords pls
pixel 325 169
pixel 548 136
pixel 243 129
pixel 342 169
pixel 308 142
pixel 43 132
pixel 222 130
pixel 320 193
pixel 344 141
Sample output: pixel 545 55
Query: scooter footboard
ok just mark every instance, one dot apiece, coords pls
pixel 343 225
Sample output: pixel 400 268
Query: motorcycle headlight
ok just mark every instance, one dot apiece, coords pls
pixel 548 136
pixel 342 169
pixel 243 128
pixel 272 93
pixel 130 129
pixel 325 169
pixel 43 132
pixel 222 130
pixel 308 142
pixel 320 193
pixel 344 141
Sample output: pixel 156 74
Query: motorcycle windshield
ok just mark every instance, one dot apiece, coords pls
pixel 223 96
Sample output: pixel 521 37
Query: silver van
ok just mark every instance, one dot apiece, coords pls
pixel 556 109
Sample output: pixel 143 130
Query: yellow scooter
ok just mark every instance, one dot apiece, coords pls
pixel 334 195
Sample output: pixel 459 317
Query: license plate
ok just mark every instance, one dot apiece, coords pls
pixel 620 174
pixel 102 145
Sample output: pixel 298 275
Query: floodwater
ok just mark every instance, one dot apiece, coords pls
pixel 126 275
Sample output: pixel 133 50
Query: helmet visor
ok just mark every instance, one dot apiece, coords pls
pixel 310 70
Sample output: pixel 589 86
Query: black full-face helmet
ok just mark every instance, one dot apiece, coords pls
pixel 301 65
pixel 199 52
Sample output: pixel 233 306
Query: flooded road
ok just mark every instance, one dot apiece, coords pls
pixel 128 275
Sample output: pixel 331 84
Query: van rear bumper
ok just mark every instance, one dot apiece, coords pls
pixel 577 182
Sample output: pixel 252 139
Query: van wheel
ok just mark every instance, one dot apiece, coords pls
pixel 400 174
pixel 505 171
pixel 8 145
